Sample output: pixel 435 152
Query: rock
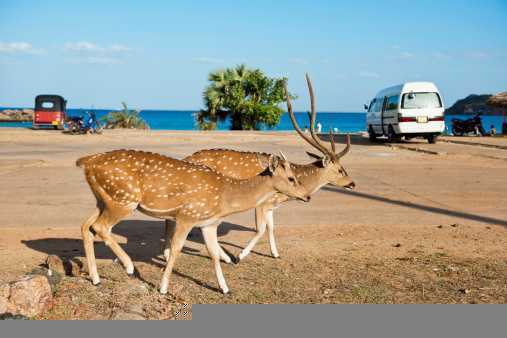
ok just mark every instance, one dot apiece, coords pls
pixel 29 296
pixel 397 245
pixel 62 266
pixel 54 278
pixel 5 291
pixel 127 316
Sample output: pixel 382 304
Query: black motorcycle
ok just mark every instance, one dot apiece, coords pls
pixel 80 125
pixel 471 125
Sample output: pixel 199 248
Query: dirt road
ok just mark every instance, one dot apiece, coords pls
pixel 410 210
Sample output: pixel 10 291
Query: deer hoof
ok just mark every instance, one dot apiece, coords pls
pixel 134 274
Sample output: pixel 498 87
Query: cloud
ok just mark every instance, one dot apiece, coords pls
pixel 95 60
pixel 102 60
pixel 86 47
pixel 19 47
pixel 208 60
pixel 478 55
pixel 370 75
pixel 119 48
pixel 441 56
pixel 406 55
pixel 299 61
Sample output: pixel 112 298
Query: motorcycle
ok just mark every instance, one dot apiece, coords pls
pixel 79 125
pixel 471 125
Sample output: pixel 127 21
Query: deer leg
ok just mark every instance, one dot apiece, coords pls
pixel 260 221
pixel 179 235
pixel 169 229
pixel 107 219
pixel 223 255
pixel 211 240
pixel 88 246
pixel 271 233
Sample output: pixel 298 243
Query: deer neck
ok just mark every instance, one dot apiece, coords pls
pixel 310 176
pixel 247 193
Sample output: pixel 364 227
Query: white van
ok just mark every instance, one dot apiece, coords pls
pixel 412 109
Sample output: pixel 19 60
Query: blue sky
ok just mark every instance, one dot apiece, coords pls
pixel 157 54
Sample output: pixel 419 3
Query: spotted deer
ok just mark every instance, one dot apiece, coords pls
pixel 326 169
pixel 191 194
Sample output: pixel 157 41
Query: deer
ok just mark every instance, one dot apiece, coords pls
pixel 191 194
pixel 325 169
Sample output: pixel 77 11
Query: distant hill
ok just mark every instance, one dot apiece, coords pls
pixel 473 104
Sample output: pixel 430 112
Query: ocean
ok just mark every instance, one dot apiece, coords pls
pixel 348 122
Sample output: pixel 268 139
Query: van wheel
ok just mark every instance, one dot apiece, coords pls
pixel 392 137
pixel 432 139
pixel 371 134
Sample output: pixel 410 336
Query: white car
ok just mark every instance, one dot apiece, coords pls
pixel 412 109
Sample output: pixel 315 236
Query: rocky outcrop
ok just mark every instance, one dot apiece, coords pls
pixel 473 104
pixel 27 296
pixel 16 115
pixel 498 100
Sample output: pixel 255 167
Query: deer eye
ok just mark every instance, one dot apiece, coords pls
pixel 292 180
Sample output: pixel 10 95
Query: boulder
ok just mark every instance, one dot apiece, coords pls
pixel 28 296
pixel 63 266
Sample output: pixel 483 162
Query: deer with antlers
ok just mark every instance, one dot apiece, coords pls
pixel 192 194
pixel 326 169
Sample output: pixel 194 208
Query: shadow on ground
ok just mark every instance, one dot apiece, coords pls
pixel 356 139
pixel 422 207
pixel 144 244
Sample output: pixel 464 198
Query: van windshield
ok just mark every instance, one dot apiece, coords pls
pixel 421 100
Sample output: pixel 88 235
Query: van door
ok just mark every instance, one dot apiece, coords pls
pixel 384 132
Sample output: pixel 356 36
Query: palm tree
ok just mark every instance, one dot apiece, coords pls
pixel 125 118
pixel 246 96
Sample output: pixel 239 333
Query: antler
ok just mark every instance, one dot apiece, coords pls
pixel 294 122
pixel 325 150
pixel 315 141
pixel 346 149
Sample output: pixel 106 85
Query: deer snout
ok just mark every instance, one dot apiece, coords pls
pixel 350 186
pixel 306 198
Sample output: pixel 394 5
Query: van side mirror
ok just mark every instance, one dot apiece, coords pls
pixel 365 107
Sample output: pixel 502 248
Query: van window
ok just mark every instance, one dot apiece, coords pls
pixel 372 104
pixel 392 102
pixel 378 104
pixel 421 100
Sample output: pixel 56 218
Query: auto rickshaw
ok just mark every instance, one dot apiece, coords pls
pixel 49 112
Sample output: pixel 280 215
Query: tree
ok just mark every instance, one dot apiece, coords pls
pixel 125 118
pixel 247 96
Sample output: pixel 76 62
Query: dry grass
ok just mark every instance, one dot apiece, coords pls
pixel 339 276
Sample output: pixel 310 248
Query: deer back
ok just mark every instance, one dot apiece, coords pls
pixel 232 163
pixel 158 185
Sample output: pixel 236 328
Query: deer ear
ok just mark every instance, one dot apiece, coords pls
pixel 315 156
pixel 273 162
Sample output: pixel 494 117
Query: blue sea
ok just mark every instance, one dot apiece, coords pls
pixel 350 122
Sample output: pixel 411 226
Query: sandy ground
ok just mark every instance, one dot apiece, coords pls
pixel 411 209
